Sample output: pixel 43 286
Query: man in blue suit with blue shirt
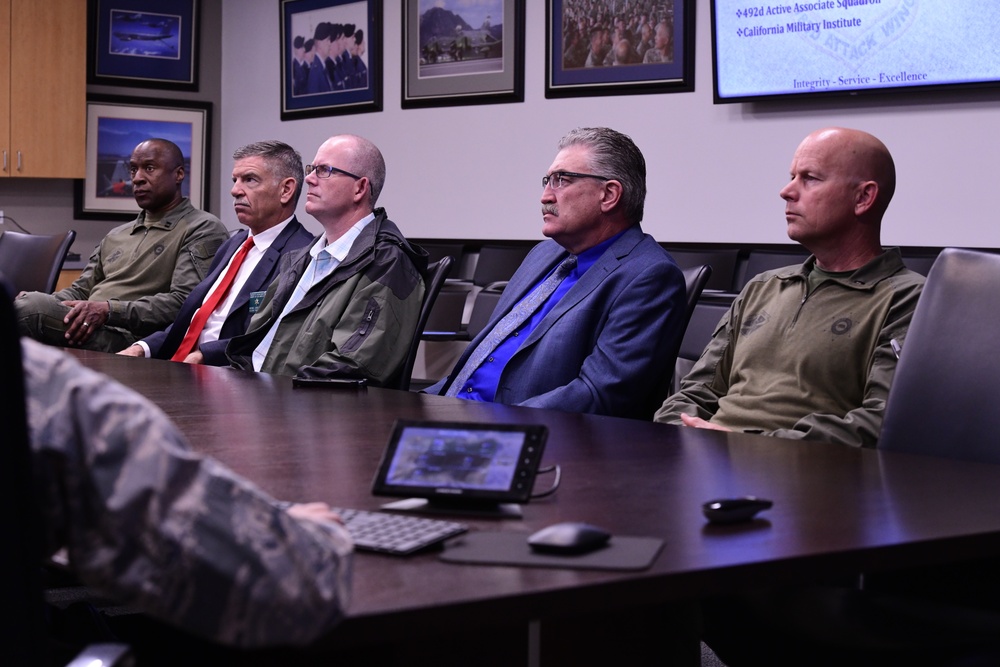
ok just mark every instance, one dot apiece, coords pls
pixel 592 319
pixel 267 182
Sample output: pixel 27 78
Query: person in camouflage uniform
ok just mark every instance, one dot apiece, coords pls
pixel 178 536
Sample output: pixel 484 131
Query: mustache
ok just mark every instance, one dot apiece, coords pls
pixel 551 209
pixel 241 202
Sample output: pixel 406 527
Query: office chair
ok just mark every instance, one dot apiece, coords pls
pixel 722 260
pixel 438 272
pixel 32 262
pixel 23 630
pixel 495 266
pixel 758 261
pixel 941 403
pixel 695 279
pixel 439 250
pixel 702 317
pixel 943 396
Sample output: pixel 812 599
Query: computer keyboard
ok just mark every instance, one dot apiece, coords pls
pixel 397 534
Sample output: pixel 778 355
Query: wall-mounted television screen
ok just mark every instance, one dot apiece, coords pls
pixel 831 47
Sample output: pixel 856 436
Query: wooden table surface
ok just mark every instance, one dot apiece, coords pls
pixel 836 509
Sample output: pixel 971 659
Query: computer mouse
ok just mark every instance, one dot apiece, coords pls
pixel 733 510
pixel 568 538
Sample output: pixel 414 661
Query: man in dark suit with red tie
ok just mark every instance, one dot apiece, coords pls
pixel 267 182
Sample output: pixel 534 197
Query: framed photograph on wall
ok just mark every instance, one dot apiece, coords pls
pixel 610 47
pixel 115 126
pixel 331 57
pixel 456 52
pixel 144 43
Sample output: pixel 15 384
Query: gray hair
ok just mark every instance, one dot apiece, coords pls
pixel 283 161
pixel 614 155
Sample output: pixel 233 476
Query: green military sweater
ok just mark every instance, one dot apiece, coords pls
pixel 794 364
pixel 145 269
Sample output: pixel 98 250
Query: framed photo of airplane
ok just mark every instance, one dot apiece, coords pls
pixel 331 57
pixel 457 52
pixel 144 43
pixel 610 47
pixel 115 126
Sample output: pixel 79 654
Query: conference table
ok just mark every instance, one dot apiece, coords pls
pixel 837 510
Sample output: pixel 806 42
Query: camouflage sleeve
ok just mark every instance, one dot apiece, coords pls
pixel 176 535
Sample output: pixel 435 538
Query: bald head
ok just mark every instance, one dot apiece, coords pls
pixel 157 170
pixel 363 158
pixel 861 157
pixel 171 153
pixel 841 183
pixel 346 191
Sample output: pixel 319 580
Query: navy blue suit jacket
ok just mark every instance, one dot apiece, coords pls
pixel 609 346
pixel 163 344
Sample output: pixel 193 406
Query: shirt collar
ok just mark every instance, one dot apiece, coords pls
pixel 588 257
pixel 339 248
pixel 264 240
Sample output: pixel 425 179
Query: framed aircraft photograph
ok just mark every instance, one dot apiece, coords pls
pixel 144 43
pixel 115 126
pixel 456 52
pixel 331 57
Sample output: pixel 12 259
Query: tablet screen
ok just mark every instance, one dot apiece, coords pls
pixel 455 460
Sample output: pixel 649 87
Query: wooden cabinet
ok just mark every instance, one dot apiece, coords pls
pixel 43 88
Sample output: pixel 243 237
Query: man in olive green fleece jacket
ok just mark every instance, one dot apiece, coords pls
pixel 808 352
pixel 141 272
pixel 348 305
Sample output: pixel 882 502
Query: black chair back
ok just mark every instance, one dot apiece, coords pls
pixel 758 261
pixel 32 262
pixel 705 317
pixel 723 262
pixel 496 264
pixel 943 399
pixel 695 279
pixel 438 272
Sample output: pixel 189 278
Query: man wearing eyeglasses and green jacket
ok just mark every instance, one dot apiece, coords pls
pixel 343 306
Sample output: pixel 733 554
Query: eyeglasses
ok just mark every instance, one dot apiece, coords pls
pixel 560 179
pixel 323 171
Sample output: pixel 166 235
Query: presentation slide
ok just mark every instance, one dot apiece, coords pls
pixel 787 48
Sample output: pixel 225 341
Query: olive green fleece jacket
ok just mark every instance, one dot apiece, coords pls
pixel 146 270
pixel 792 365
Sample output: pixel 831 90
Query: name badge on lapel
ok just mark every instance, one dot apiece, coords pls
pixel 255 300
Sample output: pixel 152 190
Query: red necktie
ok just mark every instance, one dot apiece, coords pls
pixel 190 341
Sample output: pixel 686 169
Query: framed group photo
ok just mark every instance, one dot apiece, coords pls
pixel 115 126
pixel 457 52
pixel 331 53
pixel 144 43
pixel 611 47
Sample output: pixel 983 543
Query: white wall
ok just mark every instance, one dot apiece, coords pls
pixel 45 205
pixel 714 170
